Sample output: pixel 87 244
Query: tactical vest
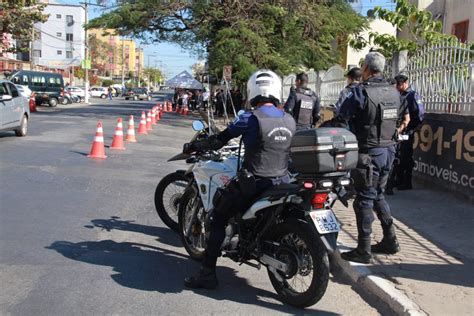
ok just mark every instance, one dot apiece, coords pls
pixel 303 110
pixel 376 124
pixel 269 157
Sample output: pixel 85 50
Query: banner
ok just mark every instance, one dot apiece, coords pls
pixel 444 151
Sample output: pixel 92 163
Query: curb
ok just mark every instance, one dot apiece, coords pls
pixel 385 290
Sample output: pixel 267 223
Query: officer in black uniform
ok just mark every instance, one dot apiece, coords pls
pixel 416 110
pixel 266 133
pixel 303 104
pixel 372 109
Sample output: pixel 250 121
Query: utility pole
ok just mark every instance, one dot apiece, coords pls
pixel 32 60
pixel 123 63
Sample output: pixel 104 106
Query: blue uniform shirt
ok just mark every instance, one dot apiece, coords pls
pixel 415 108
pixel 247 126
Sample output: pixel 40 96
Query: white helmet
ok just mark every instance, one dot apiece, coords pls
pixel 264 86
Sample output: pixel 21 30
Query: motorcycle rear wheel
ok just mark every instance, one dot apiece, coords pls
pixel 168 194
pixel 189 207
pixel 307 257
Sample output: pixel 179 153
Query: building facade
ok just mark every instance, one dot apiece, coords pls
pixel 60 41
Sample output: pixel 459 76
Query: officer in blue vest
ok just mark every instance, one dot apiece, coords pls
pixel 372 110
pixel 266 133
pixel 303 104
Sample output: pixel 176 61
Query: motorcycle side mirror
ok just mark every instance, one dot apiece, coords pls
pixel 198 126
pixel 240 112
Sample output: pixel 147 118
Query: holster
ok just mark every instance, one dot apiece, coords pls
pixel 362 174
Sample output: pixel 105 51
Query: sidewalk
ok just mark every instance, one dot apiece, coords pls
pixel 433 273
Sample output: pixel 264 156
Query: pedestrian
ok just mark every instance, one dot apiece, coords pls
pixel 205 99
pixel 237 99
pixel 417 111
pixel 303 104
pixel 266 133
pixel 353 76
pixel 372 110
pixel 220 103
pixel 109 90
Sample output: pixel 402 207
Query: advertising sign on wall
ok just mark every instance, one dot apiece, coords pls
pixel 444 151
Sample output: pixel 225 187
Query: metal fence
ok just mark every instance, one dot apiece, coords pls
pixel 443 76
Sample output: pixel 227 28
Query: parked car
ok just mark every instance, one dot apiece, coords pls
pixel 48 87
pixel 99 92
pixel 14 109
pixel 137 94
pixel 81 93
pixel 24 90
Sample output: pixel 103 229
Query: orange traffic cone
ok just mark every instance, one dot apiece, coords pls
pixel 142 126
pixel 153 116
pixel 165 107
pixel 148 121
pixel 117 142
pixel 131 131
pixel 170 107
pixel 185 111
pixel 98 150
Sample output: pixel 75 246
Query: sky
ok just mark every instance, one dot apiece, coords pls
pixel 172 59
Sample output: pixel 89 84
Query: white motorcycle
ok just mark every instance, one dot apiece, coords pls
pixel 289 228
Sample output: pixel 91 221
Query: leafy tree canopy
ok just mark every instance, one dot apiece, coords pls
pixel 17 18
pixel 420 26
pixel 282 35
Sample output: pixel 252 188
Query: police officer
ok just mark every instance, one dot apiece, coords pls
pixel 372 109
pixel 416 110
pixel 354 76
pixel 266 133
pixel 303 103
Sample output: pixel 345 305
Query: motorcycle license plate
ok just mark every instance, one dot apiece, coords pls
pixel 325 221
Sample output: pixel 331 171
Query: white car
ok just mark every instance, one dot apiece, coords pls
pixel 24 90
pixel 99 92
pixel 77 91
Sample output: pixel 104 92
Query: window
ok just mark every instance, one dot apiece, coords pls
pixel 69 19
pixel 25 80
pixel 69 37
pixel 59 34
pixel 37 53
pixel 38 81
pixel 3 88
pixel 58 16
pixel 54 82
pixel 69 54
pixel 13 90
pixel 460 30
pixel 59 52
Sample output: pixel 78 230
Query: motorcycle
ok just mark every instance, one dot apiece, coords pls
pixel 289 229
pixel 170 189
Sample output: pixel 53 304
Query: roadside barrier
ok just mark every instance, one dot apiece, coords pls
pixel 142 127
pixel 131 131
pixel 98 150
pixel 117 142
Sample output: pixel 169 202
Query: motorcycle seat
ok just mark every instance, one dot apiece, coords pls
pixel 278 191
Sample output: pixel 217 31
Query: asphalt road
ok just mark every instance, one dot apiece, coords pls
pixel 81 236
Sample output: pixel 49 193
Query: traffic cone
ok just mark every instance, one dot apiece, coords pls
pixel 131 131
pixel 185 111
pixel 158 115
pixel 165 107
pixel 98 150
pixel 148 121
pixel 142 126
pixel 178 109
pixel 117 142
pixel 170 107
pixel 153 116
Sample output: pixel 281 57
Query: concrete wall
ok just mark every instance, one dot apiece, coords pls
pixel 458 11
pixel 51 42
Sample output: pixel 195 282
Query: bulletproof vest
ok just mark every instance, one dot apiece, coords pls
pixel 375 125
pixel 303 110
pixel 269 157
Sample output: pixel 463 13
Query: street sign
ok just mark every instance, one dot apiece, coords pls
pixel 227 73
pixel 86 64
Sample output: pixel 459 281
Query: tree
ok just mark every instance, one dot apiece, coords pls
pixel 283 35
pixel 421 27
pixel 99 52
pixel 17 18
pixel 154 74
pixel 198 70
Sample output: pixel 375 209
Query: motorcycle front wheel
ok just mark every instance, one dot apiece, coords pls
pixel 168 194
pixel 191 224
pixel 306 282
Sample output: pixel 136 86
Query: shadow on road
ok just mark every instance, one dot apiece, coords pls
pixel 148 268
pixel 165 235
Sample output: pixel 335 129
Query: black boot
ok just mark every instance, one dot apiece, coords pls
pixel 205 279
pixel 406 183
pixel 389 191
pixel 357 255
pixel 387 246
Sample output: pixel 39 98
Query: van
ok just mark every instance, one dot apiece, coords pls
pixel 48 87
